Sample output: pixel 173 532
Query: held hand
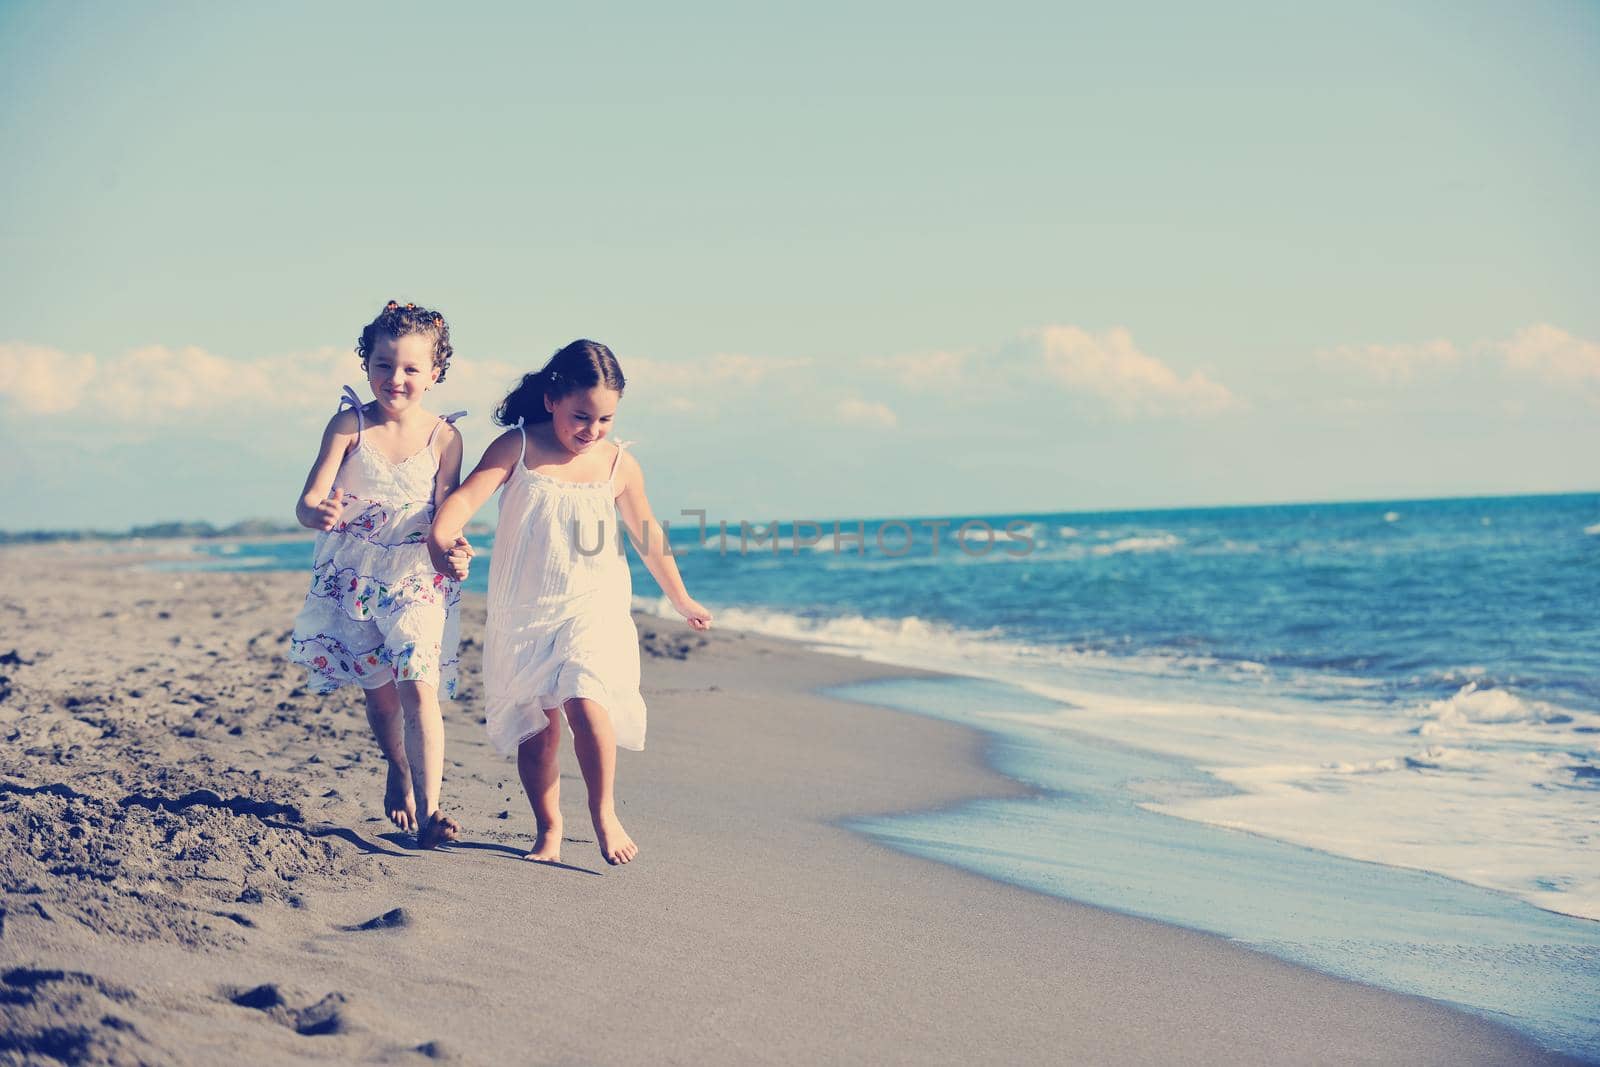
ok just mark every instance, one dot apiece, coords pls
pixel 327 513
pixel 699 618
pixel 460 559
pixel 442 556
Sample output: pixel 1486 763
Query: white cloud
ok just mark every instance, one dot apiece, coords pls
pixel 696 385
pixel 43 381
pixel 150 390
pixel 1545 352
pixel 726 368
pixel 158 385
pixel 478 386
pixel 1106 367
pixel 1393 364
pixel 1111 367
pixel 865 413
pixel 155 383
pixel 924 370
pixel 1553 354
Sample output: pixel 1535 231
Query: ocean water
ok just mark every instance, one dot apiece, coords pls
pixel 1388 714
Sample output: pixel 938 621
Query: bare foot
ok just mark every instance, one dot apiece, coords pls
pixel 440 828
pixel 397 798
pixel 546 846
pixel 615 844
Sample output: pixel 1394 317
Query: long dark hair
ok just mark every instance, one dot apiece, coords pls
pixel 580 365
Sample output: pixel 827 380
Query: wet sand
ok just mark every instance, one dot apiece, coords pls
pixel 194 868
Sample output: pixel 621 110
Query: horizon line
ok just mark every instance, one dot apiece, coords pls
pixel 283 528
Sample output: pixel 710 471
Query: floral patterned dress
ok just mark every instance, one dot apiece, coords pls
pixel 377 611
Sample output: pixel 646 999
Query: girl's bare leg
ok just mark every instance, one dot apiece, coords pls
pixel 385 718
pixel 425 753
pixel 538 764
pixel 596 745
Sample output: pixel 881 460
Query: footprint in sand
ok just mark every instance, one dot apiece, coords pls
pixel 435 1050
pixel 53 1015
pixel 327 1016
pixel 262 998
pixel 389 920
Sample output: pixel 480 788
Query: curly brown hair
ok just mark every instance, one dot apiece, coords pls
pixel 402 320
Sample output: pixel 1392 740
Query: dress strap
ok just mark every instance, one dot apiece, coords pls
pixel 450 418
pixel 349 399
pixel 618 461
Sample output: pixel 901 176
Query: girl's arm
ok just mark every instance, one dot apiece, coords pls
pixel 448 478
pixel 651 542
pixel 315 509
pixel 459 507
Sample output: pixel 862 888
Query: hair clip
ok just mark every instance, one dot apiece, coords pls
pixel 391 306
pixel 411 307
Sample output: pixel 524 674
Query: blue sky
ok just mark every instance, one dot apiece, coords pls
pixel 856 259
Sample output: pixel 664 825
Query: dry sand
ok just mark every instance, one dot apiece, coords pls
pixel 195 869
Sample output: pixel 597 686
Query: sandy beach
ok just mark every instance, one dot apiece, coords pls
pixel 195 870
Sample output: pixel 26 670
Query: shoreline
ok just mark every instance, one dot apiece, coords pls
pixel 752 927
pixel 1394 928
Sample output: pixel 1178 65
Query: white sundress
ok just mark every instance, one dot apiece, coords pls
pixel 560 597
pixel 377 610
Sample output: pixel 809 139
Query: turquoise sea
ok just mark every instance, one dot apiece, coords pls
pixel 1363 737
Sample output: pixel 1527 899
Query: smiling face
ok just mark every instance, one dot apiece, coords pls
pixel 400 370
pixel 582 419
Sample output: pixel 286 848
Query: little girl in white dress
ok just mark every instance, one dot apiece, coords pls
pixel 378 614
pixel 560 622
pixel 560 641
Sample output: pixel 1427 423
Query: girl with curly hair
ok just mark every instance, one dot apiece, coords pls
pixel 378 615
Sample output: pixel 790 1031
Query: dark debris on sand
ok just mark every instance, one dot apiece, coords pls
pixel 145 865
pixel 389 920
pixel 658 645
pixel 150 791
pixel 68 1017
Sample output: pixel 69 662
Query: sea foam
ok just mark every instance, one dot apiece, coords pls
pixel 1156 543
pixel 1497 790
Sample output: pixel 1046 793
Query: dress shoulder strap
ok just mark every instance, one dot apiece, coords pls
pixel 618 461
pixel 450 418
pixel 349 399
